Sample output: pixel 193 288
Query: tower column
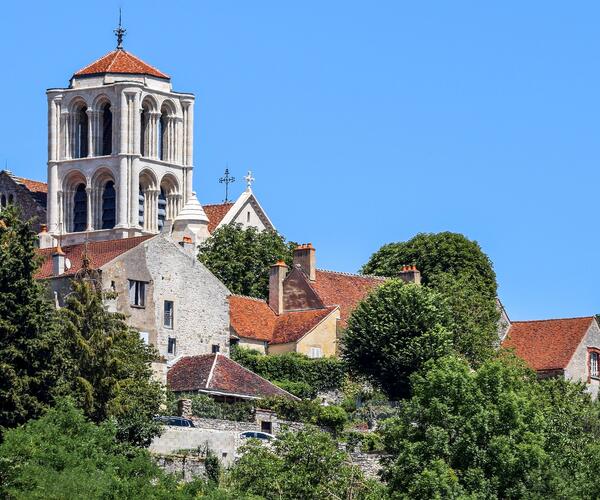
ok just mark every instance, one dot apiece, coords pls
pixel 90 209
pixel 90 136
pixel 122 193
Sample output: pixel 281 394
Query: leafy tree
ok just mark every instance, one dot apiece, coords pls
pixel 63 455
pixel 306 464
pixel 457 268
pixel 241 258
pixel 494 432
pixel 393 332
pixel 31 349
pixel 111 371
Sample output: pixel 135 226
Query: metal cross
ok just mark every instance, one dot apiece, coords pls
pixel 227 179
pixel 120 33
pixel 249 180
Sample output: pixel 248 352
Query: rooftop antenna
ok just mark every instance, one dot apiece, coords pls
pixel 227 179
pixel 120 33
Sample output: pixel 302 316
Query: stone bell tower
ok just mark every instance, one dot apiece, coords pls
pixel 120 151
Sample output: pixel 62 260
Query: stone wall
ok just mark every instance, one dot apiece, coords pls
pixel 186 467
pixel 26 201
pixel 369 463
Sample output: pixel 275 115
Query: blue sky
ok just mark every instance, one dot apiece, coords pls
pixel 365 122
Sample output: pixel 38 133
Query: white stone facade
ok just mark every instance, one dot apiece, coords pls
pixel 120 154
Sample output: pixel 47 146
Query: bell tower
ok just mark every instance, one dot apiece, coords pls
pixel 120 150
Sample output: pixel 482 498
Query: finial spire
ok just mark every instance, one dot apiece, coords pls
pixel 227 179
pixel 120 33
pixel 249 180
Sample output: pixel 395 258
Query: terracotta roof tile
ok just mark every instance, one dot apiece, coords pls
pixel 33 186
pixel 216 213
pixel 99 252
pixel 344 290
pixel 215 373
pixel 254 319
pixel 120 61
pixel 547 344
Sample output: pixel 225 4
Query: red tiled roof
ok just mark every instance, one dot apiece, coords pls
pixel 99 253
pixel 344 290
pixel 33 186
pixel 120 61
pixel 217 374
pixel 216 213
pixel 547 344
pixel 254 319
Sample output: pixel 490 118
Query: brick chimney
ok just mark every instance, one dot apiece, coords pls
pixel 58 261
pixel 305 258
pixel 410 274
pixel 276 276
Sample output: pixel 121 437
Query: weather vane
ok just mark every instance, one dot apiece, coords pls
pixel 120 33
pixel 227 179
pixel 249 180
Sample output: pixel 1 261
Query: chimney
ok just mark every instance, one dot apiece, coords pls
pixel 276 277
pixel 58 262
pixel 187 244
pixel 410 274
pixel 184 408
pixel 305 258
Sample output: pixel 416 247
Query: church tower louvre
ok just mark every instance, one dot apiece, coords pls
pixel 120 151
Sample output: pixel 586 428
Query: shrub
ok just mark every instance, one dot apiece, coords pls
pixel 332 417
pixel 299 389
pixel 206 407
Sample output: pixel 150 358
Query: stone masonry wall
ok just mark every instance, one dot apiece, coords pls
pixel 185 466
pixel 22 198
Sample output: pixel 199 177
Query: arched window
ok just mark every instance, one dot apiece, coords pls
pixel 162 208
pixel 11 199
pixel 80 209
pixel 106 130
pixel 141 207
pixel 80 144
pixel 144 132
pixel 162 135
pixel 108 206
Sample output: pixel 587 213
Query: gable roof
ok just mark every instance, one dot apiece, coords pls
pixel 547 344
pixel 254 319
pixel 217 374
pixel 344 290
pixel 122 62
pixel 38 190
pixel 216 213
pixel 99 253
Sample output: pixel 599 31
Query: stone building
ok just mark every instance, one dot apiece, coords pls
pixel 568 348
pixel 29 196
pixel 175 303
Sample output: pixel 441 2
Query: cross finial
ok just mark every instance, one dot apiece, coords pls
pixel 120 33
pixel 249 180
pixel 227 179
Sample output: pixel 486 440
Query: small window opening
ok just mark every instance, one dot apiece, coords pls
pixel 137 293
pixel 168 314
pixel 172 346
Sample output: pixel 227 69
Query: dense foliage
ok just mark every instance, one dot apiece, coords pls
pixel 393 332
pixel 241 258
pixel 320 374
pixel 305 465
pixel 457 268
pixel 31 348
pixel 494 432
pixel 111 366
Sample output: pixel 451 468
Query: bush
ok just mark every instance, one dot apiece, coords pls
pixel 332 417
pixel 321 374
pixel 206 407
pixel 299 389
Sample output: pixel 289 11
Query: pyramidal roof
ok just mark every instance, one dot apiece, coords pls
pixel 192 211
pixel 120 61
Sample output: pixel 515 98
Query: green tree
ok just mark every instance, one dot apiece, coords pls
pixel 393 332
pixel 494 432
pixel 63 455
pixel 31 349
pixel 306 465
pixel 241 258
pixel 457 268
pixel 111 366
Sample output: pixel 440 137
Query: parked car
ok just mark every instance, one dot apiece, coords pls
pixel 265 436
pixel 176 421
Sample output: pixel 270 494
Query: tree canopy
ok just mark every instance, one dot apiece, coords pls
pixel 241 258
pixel 457 268
pixel 393 332
pixel 31 347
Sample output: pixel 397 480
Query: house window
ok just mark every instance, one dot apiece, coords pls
pixel 172 346
pixel 168 314
pixel 137 293
pixel 145 337
pixel 216 348
pixel 315 352
pixel 594 364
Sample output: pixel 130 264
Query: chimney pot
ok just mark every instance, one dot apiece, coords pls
pixel 58 262
pixel 410 274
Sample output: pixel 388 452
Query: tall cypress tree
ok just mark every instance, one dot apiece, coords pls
pixel 31 360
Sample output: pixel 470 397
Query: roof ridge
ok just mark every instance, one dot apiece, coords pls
pixel 248 297
pixel 212 370
pixel 217 204
pixel 551 319
pixel 355 275
pixel 96 61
